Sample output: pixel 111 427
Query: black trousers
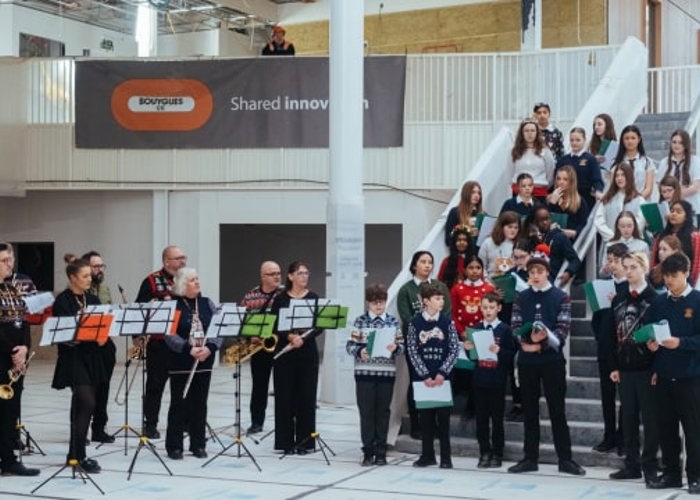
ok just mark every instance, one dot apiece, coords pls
pixel 109 358
pixel 188 414
pixel 506 315
pixel 435 421
pixel 490 406
pixel 552 378
pixel 9 413
pixel 157 376
pixel 295 380
pixel 612 422
pixel 373 401
pixel 260 370
pixel 678 401
pixel 81 409
pixel 637 397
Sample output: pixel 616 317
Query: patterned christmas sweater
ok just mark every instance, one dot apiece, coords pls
pixel 466 301
pixel 373 368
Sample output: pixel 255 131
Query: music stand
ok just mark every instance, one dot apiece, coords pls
pixel 127 323
pixel 92 325
pixel 24 433
pixel 150 318
pixel 313 314
pixel 234 321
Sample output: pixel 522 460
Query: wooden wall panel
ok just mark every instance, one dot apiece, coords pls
pixel 484 27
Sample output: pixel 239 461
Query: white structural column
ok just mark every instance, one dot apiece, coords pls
pixel 345 236
pixel 531 30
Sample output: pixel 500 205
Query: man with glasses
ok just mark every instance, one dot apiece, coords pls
pixel 108 352
pixel 158 286
pixel 259 299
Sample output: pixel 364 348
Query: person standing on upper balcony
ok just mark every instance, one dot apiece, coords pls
pixel 277 45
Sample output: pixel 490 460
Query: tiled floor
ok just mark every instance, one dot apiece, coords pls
pixel 46 417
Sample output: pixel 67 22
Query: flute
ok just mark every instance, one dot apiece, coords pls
pixel 289 346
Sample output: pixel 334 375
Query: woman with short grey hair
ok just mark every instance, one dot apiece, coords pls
pixel 190 354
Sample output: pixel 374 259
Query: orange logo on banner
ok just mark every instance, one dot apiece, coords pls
pixel 162 104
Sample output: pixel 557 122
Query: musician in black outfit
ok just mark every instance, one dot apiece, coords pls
pixel 79 365
pixel 184 349
pixel 295 373
pixel 14 345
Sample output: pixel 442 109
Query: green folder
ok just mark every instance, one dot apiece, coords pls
pixel 480 219
pixel 463 362
pixel 524 330
pixel 604 145
pixel 470 337
pixel 505 282
pixel 331 317
pixel 258 325
pixel 560 219
pixel 597 293
pixel 644 334
pixel 654 217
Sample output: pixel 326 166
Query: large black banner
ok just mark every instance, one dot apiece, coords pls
pixel 233 103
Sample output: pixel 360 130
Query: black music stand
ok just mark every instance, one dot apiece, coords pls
pixel 313 314
pixel 87 327
pixel 230 322
pixel 128 323
pixel 150 318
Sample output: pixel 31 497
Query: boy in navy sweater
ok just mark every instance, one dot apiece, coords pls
pixel 541 362
pixel 374 376
pixel 489 382
pixel 677 365
pixel 432 345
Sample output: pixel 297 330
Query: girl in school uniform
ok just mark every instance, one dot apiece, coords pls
pixel 632 152
pixel 590 183
pixel 566 199
pixel 464 214
pixel 603 130
pixel 684 166
pixel 680 224
pixel 622 195
pixel 627 232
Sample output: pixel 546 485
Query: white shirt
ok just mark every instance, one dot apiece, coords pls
pixel 606 214
pixel 540 167
pixel 641 165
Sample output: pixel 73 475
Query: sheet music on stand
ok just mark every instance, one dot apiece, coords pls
pixel 148 318
pixel 93 325
pixel 227 321
pixel 312 313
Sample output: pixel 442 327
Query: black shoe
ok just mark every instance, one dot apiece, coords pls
pixel 484 462
pixel 445 464
pixel 151 432
pixel 468 415
pixel 694 487
pixel 367 460
pixel 571 467
pixel 665 481
pixel 626 473
pixel 303 451
pixel 380 459
pixel 102 437
pixel 199 453
pixel 525 465
pixel 515 414
pixel 175 454
pixel 90 465
pixel 496 462
pixel 254 429
pixel 18 469
pixel 424 462
pixel 604 447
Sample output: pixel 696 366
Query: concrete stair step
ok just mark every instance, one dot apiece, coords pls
pixel 583 388
pixel 583 345
pixel 661 117
pixel 469 447
pixel 583 366
pixel 581 327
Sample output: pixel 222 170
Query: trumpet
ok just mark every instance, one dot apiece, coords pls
pixel 6 390
pixel 240 352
